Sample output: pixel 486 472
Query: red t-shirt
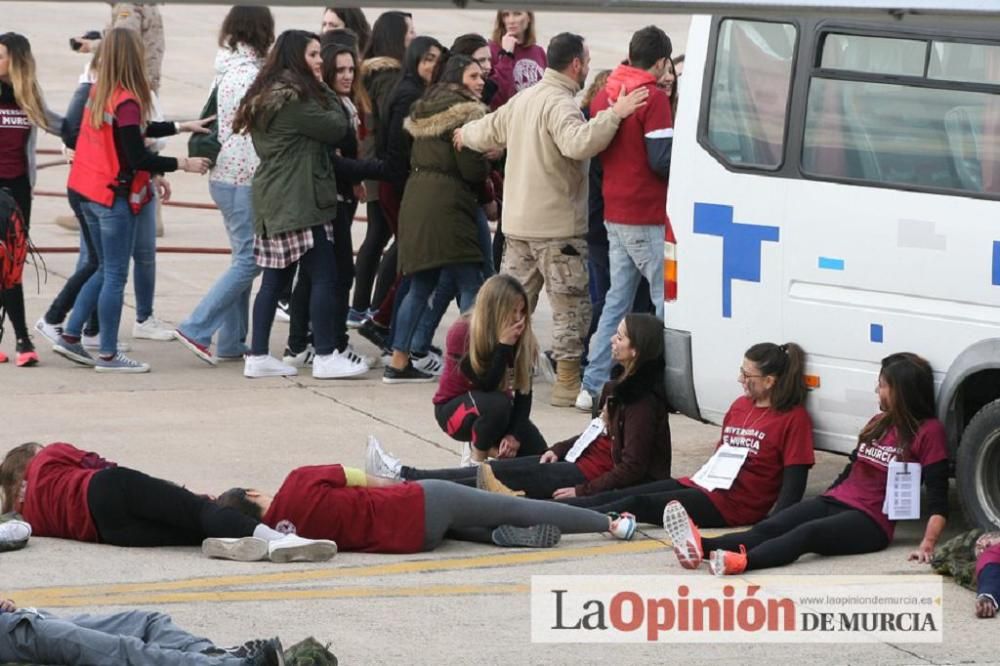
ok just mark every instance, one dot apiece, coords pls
pixel 864 487
pixel 15 128
pixel 633 192
pixel 315 503
pixel 776 440
pixel 596 460
pixel 55 498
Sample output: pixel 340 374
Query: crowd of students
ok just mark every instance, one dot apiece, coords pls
pixel 436 142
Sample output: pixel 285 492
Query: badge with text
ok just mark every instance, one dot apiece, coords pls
pixel 592 432
pixel 722 468
pixel 902 491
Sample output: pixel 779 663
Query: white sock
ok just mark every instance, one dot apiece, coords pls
pixel 264 532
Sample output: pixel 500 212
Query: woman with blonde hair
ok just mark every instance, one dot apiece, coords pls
pixel 22 112
pixel 112 172
pixel 629 444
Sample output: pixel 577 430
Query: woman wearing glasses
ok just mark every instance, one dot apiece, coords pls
pixel 769 423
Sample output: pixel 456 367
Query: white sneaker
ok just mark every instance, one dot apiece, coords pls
pixel 281 312
pixel 585 401
pixel 623 527
pixel 245 549
pixel 337 365
pixel 266 366
pixel 14 534
pixel 153 329
pixel 354 355
pixel 302 359
pixel 51 332
pixel 467 459
pixel 432 364
pixel 293 548
pixel 380 463
pixel 93 342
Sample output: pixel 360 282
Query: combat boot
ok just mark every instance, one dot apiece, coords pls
pixel 567 385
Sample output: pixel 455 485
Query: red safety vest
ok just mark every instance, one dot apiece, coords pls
pixel 95 171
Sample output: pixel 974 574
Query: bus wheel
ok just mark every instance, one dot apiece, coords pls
pixel 978 469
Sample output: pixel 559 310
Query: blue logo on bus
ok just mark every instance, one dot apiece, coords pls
pixel 741 246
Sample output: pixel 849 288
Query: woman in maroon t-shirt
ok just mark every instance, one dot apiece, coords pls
pixel 848 519
pixel 770 422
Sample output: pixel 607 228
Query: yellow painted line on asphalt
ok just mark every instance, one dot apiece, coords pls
pixel 41 596
pixel 274 594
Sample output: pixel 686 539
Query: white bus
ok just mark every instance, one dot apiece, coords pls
pixel 835 182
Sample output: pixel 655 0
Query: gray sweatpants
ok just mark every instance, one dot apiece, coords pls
pixel 468 514
pixel 133 638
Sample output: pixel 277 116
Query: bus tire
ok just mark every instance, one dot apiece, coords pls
pixel 978 468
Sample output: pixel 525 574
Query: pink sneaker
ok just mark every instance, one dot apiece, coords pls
pixel 684 534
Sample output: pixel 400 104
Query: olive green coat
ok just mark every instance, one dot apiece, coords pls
pixel 294 186
pixel 437 217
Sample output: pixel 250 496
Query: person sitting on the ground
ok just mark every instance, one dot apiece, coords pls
pixel 67 493
pixel 368 514
pixel 768 422
pixel 121 639
pixel 853 516
pixel 630 444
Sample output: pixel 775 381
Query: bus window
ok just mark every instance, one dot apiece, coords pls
pixel 750 88
pixel 875 55
pixel 968 63
pixel 891 133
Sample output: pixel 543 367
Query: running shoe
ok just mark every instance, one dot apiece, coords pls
pixel 622 526
pixel 26 354
pixel 728 563
pixel 536 536
pixel 51 332
pixel 684 534
pixel 14 535
pixel 379 462
pixel 355 318
pixel 153 329
pixel 244 549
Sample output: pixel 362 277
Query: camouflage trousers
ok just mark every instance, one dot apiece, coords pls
pixel 561 266
pixel 957 556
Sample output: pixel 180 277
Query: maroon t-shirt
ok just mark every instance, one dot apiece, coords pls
pixel 316 503
pixel 776 440
pixel 596 460
pixel 15 128
pixel 864 487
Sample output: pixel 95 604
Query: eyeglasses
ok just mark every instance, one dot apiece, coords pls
pixel 744 375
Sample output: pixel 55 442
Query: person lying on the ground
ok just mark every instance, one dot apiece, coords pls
pixel 630 444
pixel 132 638
pixel 14 533
pixel 67 493
pixel 335 502
pixel 769 423
pixel 853 516
pixel 988 581
pixel 972 559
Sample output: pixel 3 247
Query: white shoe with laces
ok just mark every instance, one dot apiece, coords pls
pixel 300 360
pixel 432 364
pixel 93 343
pixel 14 534
pixel 584 401
pixel 354 355
pixel 266 366
pixel 337 365
pixel 153 329
pixel 51 332
pixel 293 548
pixel 380 463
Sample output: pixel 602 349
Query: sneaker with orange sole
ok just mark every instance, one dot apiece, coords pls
pixel 683 534
pixel 26 354
pixel 728 563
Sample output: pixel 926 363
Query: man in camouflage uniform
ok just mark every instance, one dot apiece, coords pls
pixel 146 20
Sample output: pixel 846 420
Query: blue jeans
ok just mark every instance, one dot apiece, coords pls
pixel 113 233
pixel 467 277
pixel 226 307
pixel 634 252
pixel 144 255
pixel 485 243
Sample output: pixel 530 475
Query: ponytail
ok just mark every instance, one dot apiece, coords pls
pixel 786 363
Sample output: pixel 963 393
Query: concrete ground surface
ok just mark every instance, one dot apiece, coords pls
pixel 210 429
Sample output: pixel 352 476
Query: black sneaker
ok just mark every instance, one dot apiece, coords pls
pixel 536 536
pixel 374 333
pixel 408 375
pixel 265 652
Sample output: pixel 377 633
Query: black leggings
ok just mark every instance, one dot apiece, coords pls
pixel 13 299
pixel 537 480
pixel 133 509
pixel 377 236
pixel 648 500
pixel 820 525
pixel 483 418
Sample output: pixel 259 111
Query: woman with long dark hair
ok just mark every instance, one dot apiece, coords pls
pixel 630 443
pixel 294 119
pixel 851 517
pixel 351 18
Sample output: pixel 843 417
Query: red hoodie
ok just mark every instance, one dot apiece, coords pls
pixel 633 192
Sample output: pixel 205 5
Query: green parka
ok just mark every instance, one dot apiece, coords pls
pixel 437 217
pixel 294 186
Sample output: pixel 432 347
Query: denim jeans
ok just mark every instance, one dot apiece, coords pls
pixel 86 265
pixel 226 307
pixel 485 243
pixel 144 255
pixel 634 252
pixel 468 278
pixel 113 231
pixel 320 265
pixel 444 293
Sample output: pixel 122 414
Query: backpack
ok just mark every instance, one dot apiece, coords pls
pixel 14 246
pixel 207 145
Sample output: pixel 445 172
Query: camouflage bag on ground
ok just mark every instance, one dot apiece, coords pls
pixel 310 652
pixel 957 559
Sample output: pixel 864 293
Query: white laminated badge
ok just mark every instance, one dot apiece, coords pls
pixel 902 491
pixel 722 468
pixel 592 432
